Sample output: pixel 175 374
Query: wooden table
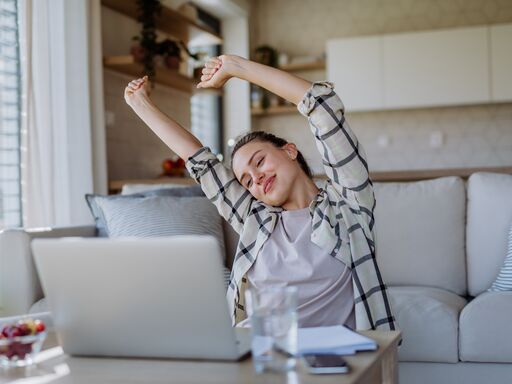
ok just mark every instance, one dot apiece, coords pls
pixel 380 366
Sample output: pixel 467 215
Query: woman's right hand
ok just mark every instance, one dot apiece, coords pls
pixel 136 91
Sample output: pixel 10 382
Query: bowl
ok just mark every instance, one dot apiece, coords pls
pixel 18 349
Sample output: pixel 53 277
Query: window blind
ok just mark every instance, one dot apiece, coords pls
pixel 10 106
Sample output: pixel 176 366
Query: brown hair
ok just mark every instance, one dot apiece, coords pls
pixel 276 141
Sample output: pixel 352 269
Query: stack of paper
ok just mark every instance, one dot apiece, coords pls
pixel 335 339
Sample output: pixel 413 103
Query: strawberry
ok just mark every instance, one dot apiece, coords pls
pixel 40 327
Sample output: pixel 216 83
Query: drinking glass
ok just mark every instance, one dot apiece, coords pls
pixel 273 316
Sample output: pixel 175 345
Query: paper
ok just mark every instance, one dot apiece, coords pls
pixel 335 339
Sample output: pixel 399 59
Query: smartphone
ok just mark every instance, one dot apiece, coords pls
pixel 326 363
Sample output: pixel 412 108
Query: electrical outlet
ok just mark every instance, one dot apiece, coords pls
pixel 436 139
pixel 383 141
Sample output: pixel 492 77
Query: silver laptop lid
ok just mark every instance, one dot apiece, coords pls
pixel 152 297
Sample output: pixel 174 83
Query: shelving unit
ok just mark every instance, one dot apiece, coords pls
pixel 171 78
pixel 288 109
pixel 171 22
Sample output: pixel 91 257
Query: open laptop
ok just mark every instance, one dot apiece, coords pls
pixel 152 297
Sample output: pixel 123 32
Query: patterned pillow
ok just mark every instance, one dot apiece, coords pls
pixel 152 215
pixel 504 280
pixel 101 225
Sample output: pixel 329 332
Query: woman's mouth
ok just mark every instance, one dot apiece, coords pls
pixel 268 184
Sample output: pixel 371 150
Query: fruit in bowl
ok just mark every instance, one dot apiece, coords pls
pixel 21 341
pixel 174 167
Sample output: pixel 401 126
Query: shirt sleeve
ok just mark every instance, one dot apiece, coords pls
pixel 343 156
pixel 220 185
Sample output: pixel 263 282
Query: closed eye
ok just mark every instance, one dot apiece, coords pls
pixel 259 162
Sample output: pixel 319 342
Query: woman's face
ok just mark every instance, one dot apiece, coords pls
pixel 268 172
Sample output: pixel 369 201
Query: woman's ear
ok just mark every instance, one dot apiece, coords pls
pixel 291 150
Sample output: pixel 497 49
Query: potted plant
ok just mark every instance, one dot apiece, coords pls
pixel 148 10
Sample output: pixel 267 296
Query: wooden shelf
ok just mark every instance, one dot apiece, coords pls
pixel 303 66
pixel 280 110
pixel 171 22
pixel 127 65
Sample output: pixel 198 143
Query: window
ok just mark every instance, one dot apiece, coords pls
pixel 206 105
pixel 10 106
pixel 206 116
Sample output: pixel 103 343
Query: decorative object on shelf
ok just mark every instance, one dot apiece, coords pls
pixel 136 50
pixel 174 167
pixel 256 97
pixel 170 53
pixel 267 55
pixel 282 59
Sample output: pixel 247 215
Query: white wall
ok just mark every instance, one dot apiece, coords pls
pixel 478 135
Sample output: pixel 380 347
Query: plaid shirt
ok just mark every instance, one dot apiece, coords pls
pixel 342 212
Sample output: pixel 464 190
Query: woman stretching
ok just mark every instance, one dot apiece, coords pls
pixel 291 232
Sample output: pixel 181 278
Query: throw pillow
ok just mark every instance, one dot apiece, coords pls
pixel 153 216
pixel 192 191
pixel 504 280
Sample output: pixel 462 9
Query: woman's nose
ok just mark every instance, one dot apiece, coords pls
pixel 258 177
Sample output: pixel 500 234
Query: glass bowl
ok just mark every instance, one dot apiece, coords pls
pixel 20 351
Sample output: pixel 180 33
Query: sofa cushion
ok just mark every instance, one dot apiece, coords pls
pixel 170 190
pixel 154 216
pixel 420 229
pixel 428 319
pixel 504 280
pixel 489 215
pixel 486 329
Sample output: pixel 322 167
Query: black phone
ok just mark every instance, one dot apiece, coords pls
pixel 330 363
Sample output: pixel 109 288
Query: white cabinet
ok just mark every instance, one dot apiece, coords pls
pixel 501 62
pixel 354 65
pixel 436 68
pixel 423 69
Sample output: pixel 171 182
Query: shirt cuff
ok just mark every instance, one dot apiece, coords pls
pixel 308 102
pixel 197 164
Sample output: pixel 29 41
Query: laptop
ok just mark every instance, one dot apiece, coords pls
pixel 139 297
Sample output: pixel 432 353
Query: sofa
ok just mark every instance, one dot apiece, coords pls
pixel 440 245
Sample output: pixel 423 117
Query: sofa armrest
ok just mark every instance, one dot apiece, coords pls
pixel 19 282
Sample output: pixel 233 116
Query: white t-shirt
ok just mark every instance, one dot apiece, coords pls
pixel 290 258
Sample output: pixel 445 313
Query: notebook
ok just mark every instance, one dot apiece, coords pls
pixel 336 339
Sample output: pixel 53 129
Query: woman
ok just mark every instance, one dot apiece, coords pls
pixel 291 231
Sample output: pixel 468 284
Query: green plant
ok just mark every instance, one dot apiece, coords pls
pixel 147 12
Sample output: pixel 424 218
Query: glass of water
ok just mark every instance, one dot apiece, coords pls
pixel 273 317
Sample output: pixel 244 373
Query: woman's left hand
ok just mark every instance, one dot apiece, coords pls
pixel 216 71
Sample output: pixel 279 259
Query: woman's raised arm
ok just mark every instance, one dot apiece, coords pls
pixel 284 84
pixel 177 138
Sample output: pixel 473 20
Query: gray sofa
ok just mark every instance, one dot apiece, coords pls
pixel 440 244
